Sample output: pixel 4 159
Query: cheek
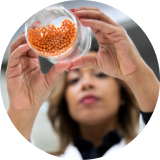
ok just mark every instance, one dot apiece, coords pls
pixel 71 100
pixel 69 95
pixel 111 96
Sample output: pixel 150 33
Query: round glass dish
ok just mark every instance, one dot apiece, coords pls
pixel 55 15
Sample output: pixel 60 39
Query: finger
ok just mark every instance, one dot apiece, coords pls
pixel 99 25
pixel 32 54
pixel 95 14
pixel 55 72
pixel 35 25
pixel 19 41
pixel 85 62
pixel 94 30
pixel 88 8
pixel 16 54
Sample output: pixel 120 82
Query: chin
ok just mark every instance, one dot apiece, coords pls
pixel 91 122
pixel 91 119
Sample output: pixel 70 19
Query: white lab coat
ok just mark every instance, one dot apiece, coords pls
pixel 118 150
pixel 72 153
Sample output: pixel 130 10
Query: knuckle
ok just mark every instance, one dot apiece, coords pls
pixel 103 14
pixel 12 54
pixel 122 29
pixel 96 8
pixel 100 14
pixel 79 8
pixel 17 50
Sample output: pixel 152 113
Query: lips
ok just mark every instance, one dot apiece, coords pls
pixel 89 99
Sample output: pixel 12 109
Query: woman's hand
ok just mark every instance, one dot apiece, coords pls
pixel 27 86
pixel 117 55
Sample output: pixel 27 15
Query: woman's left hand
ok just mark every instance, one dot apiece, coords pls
pixel 117 55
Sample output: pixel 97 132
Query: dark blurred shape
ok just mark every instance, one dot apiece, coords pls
pixel 156 44
pixel 5 36
pixel 145 48
pixel 45 64
pixel 94 45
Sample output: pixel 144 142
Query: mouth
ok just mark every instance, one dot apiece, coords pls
pixel 89 99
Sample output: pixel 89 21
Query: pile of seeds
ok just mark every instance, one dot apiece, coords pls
pixel 52 41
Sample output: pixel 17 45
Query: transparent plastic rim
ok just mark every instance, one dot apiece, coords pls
pixel 61 55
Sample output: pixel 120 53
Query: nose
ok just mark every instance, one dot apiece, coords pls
pixel 87 83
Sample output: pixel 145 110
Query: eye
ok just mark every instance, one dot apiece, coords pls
pixel 73 81
pixel 101 75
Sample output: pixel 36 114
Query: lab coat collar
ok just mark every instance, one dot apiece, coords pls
pixel 72 153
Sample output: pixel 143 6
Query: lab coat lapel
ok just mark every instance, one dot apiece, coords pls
pixel 118 151
pixel 72 153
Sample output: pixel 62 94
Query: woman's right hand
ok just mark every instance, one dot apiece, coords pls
pixel 27 86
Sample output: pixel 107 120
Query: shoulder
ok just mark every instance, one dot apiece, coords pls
pixel 129 142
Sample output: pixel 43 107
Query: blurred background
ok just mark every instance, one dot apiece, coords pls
pixel 140 19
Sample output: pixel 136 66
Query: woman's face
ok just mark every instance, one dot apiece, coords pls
pixel 92 96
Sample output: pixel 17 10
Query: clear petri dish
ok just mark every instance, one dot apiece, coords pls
pixel 63 27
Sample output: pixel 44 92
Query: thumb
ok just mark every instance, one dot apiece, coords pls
pixel 84 62
pixel 56 71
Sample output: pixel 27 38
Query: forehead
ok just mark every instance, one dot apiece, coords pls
pixel 80 71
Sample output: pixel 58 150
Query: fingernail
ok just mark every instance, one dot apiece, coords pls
pixel 38 22
pixel 74 10
pixel 73 64
pixel 69 68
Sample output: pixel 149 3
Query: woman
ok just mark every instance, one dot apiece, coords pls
pixel 93 113
pixel 99 111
